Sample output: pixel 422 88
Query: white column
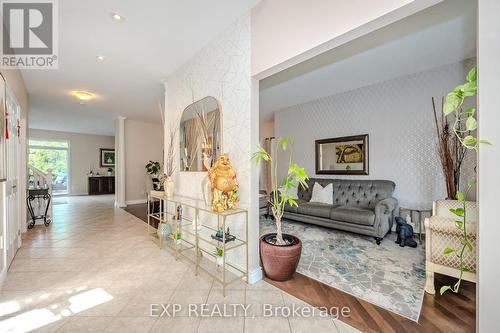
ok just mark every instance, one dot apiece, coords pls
pixel 120 162
pixel 488 292
pixel 255 271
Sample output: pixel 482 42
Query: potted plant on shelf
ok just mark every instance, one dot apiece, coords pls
pixel 153 169
pixel 280 253
pixel 463 126
pixel 219 255
pixel 177 237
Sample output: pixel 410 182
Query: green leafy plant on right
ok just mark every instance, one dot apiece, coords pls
pixel 454 105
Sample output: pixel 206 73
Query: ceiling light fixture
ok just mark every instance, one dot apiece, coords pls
pixel 117 16
pixel 83 95
pixel 100 57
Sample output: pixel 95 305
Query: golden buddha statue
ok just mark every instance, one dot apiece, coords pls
pixel 223 185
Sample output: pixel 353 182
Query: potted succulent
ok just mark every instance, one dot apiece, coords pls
pixel 280 253
pixel 177 237
pixel 219 255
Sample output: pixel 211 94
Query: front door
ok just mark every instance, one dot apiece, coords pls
pixel 13 206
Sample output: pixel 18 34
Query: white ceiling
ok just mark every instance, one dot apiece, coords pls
pixel 156 37
pixel 440 35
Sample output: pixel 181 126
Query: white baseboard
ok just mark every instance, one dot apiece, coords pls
pixel 77 194
pixel 135 202
pixel 255 275
pixel 120 205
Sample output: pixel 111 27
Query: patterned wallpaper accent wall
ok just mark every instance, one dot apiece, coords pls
pixel 397 115
pixel 221 70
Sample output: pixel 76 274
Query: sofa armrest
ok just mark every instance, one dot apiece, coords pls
pixel 386 206
pixel 384 210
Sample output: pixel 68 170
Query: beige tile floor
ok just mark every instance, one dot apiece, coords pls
pixel 95 269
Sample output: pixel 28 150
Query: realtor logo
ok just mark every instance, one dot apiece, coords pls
pixel 29 34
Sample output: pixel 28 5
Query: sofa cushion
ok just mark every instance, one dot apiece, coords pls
pixel 353 215
pixel 293 209
pixel 315 209
pixel 359 193
pixel 262 201
pixel 290 209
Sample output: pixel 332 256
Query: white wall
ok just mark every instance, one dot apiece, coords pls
pixel 489 160
pixel 84 153
pixel 286 32
pixel 143 142
pixel 222 70
pixel 397 115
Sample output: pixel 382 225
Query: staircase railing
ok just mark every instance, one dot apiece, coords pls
pixel 38 179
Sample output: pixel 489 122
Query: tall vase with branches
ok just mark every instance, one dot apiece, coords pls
pixel 464 127
pixel 170 162
pixel 451 152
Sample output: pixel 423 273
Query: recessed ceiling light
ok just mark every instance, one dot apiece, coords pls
pixel 100 57
pixel 83 95
pixel 117 16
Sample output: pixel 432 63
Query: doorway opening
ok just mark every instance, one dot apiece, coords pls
pixel 52 155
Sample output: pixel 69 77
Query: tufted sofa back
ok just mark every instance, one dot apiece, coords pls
pixel 352 192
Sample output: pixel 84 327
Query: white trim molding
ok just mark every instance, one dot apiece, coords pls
pixel 487 291
pixel 120 162
pixel 255 275
pixel 136 202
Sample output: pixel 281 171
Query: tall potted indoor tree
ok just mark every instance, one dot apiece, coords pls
pixel 280 253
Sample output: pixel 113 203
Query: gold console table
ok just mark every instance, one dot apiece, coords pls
pixel 191 238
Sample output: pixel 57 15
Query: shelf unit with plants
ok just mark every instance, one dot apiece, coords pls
pixel 201 235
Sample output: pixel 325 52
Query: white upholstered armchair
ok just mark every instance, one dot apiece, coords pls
pixel 441 232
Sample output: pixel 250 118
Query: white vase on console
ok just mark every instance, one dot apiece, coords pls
pixel 206 191
pixel 169 187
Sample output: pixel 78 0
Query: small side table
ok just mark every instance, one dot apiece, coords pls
pixel 37 194
pixel 421 215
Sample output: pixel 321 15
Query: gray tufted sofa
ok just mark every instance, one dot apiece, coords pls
pixel 361 206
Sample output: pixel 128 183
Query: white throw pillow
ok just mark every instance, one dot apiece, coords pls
pixel 322 194
pixel 291 191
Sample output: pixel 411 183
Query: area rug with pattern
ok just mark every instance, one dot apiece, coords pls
pixel 386 275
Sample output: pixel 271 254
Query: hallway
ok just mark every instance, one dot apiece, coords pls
pixel 95 269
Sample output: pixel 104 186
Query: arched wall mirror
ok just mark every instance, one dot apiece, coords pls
pixel 200 133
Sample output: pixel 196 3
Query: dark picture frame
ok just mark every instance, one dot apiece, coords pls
pixel 105 156
pixel 355 163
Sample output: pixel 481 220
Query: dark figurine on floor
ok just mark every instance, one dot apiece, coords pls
pixel 405 233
